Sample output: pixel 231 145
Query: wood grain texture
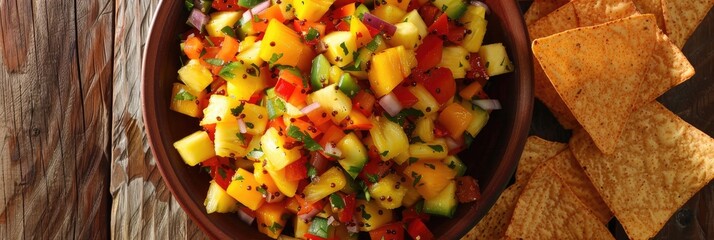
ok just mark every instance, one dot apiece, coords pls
pixel 55 70
pixel 143 207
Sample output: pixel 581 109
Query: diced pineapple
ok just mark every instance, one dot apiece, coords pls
pixel 388 137
pixel 195 75
pixel 495 59
pixel 402 4
pixel 254 152
pixel 219 110
pixel 401 158
pixel 475 32
pixel 426 100
pixel 340 47
pixel 229 142
pixel 472 13
pixel 414 18
pixel 329 182
pixel 336 103
pixel 411 197
pixel 301 227
pixel 285 186
pixel 429 177
pixel 248 43
pixel 251 55
pixel 408 59
pixel 456 59
pixel 244 188
pixel 335 74
pixel 424 129
pixel 271 219
pixel 388 191
pixel 368 214
pixel 255 119
pixel 407 35
pixel 275 151
pixel 311 10
pixel 217 200
pixel 185 100
pixel 389 13
pixel 433 150
pixel 195 148
pixel 281 45
pixel 222 19
pixel 286 8
pixel 360 31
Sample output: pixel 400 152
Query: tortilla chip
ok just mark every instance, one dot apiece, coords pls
pixel 535 152
pixel 660 162
pixel 541 8
pixel 652 7
pixel 668 67
pixel 494 224
pixel 598 71
pixel 547 209
pixel 578 13
pixel 681 18
pixel 568 169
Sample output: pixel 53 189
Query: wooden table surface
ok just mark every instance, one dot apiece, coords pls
pixel 74 158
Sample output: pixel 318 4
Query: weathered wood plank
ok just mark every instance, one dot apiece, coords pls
pixel 54 119
pixel 143 207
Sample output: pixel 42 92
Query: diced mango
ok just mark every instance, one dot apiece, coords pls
pixel 385 72
pixel 285 186
pixel 388 191
pixel 455 118
pixel 360 31
pixel 272 219
pixel 195 148
pixel 281 45
pixel 185 100
pixel 311 10
pixel 429 177
pixel 244 188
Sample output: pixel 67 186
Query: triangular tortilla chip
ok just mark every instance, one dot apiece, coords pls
pixel 668 67
pixel 597 71
pixel 660 162
pixel 494 224
pixel 568 169
pixel 548 209
pixel 540 8
pixel 652 7
pixel 682 17
pixel 578 13
pixel 535 152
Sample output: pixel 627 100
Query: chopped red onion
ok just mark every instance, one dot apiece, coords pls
pixel 242 126
pixel 310 215
pixel 352 225
pixel 330 220
pixel 379 24
pixel 321 47
pixel 257 9
pixel 391 104
pixel 309 108
pixel 488 104
pixel 333 151
pixel 197 19
pixel 481 4
pixel 452 144
pixel 245 217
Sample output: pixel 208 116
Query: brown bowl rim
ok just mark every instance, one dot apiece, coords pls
pixel 503 174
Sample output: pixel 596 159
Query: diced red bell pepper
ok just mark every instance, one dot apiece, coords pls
pixel 229 49
pixel 441 84
pixel 226 5
pixel 428 54
pixel 306 207
pixel 339 3
pixel 440 131
pixel 299 93
pixel 344 11
pixel 478 70
pixel 305 126
pixel 220 170
pixel 333 135
pixel 374 167
pixel 297 170
pixel 211 130
pixel 392 231
pixel 409 214
pixel 413 5
pixel 318 116
pixel 429 13
pixel 346 213
pixel 467 189
pixel 418 230
pixel 255 98
pixel 312 237
pixel 278 124
pixel 440 26
pixel 342 25
pixel 192 47
pixel 284 89
pixel 364 102
pixel 405 97
pixel 264 17
pixel 456 33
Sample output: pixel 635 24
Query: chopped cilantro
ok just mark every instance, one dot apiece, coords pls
pixel 384 154
pixel 452 164
pixel 354 169
pixel 256 70
pixel 189 4
pixel 365 215
pixel 239 178
pixel 468 139
pixel 336 201
pixel 184 95
pixel 222 172
pixel 241 137
pixel 311 171
pixel 228 31
pixel 404 114
pixel 262 190
pixel 250 125
pixel 276 108
pixel 413 160
pixel 312 34
pixel 374 178
pixel 310 143
pixel 344 48
pixel 238 110
pixel 274 59
pixel 275 227
pixel 443 8
pixel 416 139
pixel 372 45
pixel 417 178
pixel 288 7
pixel 436 148
pixel 227 71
